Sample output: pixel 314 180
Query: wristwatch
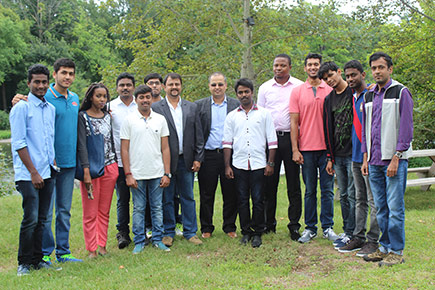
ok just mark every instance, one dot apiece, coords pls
pixel 168 175
pixel 398 154
pixel 271 164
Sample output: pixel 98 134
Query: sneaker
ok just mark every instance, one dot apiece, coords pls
pixel 179 229
pixel 256 241
pixel 138 248
pixel 354 244
pixel 340 237
pixel 47 259
pixel 294 235
pixel 195 240
pixel 307 236
pixel 392 259
pixel 330 234
pixel 342 242
pixel 123 240
pixel 67 258
pixel 23 270
pixel 368 248
pixel 148 233
pixel 47 266
pixel 168 241
pixel 375 257
pixel 245 239
pixel 161 246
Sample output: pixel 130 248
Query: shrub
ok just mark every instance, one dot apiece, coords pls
pixel 7 185
pixel 4 120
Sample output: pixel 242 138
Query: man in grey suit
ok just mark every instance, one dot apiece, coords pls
pixel 187 152
pixel 212 113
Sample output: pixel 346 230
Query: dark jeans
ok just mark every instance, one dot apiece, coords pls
pixel 249 184
pixel 36 203
pixel 212 169
pixel 292 171
pixel 123 202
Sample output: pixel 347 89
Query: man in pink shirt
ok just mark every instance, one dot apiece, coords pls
pixel 274 95
pixel 309 149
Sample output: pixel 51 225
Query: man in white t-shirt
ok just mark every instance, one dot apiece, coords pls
pixel 146 160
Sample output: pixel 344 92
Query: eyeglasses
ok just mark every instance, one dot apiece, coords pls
pixel 153 83
pixel 218 84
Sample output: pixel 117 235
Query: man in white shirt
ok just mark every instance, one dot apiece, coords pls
pixel 274 95
pixel 121 107
pixel 146 159
pixel 247 130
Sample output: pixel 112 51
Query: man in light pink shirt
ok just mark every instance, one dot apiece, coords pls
pixel 274 95
pixel 309 149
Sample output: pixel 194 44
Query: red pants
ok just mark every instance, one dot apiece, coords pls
pixel 96 211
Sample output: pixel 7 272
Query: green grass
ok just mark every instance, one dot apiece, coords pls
pixel 5 134
pixel 223 263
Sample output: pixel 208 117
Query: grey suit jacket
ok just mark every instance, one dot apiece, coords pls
pixel 193 142
pixel 204 108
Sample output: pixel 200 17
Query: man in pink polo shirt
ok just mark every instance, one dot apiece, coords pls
pixel 274 95
pixel 309 149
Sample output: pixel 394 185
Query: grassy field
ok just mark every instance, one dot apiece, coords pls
pixel 5 134
pixel 222 263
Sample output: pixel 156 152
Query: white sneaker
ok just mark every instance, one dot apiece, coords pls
pixel 179 229
pixel 330 235
pixel 307 236
pixel 148 233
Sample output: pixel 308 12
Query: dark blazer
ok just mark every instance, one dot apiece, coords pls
pixel 193 142
pixel 204 108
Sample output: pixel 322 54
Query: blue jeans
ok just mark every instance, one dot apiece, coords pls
pixel 36 203
pixel 155 195
pixel 388 193
pixel 62 198
pixel 343 171
pixel 314 165
pixel 122 202
pixel 181 182
pixel 249 184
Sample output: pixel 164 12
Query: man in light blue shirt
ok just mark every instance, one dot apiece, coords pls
pixel 32 129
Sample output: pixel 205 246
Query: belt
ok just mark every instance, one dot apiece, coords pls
pixel 218 150
pixel 281 133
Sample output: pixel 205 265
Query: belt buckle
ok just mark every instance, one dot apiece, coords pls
pixel 219 150
pixel 280 133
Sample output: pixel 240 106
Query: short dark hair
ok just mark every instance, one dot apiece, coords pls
pixel 354 64
pixel 65 62
pixel 37 69
pixel 313 55
pixel 125 75
pixel 284 55
pixel 326 67
pixel 152 76
pixel 142 89
pixel 173 76
pixel 244 82
pixel 378 55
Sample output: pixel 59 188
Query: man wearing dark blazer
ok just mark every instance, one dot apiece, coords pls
pixel 187 152
pixel 212 112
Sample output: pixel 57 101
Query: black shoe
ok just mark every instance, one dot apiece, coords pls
pixel 245 239
pixel 47 266
pixel 256 241
pixel 147 241
pixel 123 240
pixel 294 235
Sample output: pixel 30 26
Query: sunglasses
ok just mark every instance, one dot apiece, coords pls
pixel 218 84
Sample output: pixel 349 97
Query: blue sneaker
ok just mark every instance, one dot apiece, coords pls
pixel 67 258
pixel 341 243
pixel 161 246
pixel 23 270
pixel 47 266
pixel 47 260
pixel 340 237
pixel 138 248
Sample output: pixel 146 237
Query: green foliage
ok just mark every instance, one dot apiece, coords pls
pixel 7 186
pixel 5 134
pixel 4 120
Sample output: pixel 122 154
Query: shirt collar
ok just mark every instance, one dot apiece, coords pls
pixel 376 88
pixel 322 84
pixel 288 82
pixel 143 117
pixel 36 101
pixel 56 93
pixel 170 105
pixel 254 108
pixel 213 103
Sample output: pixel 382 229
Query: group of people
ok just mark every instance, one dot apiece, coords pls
pixel 151 147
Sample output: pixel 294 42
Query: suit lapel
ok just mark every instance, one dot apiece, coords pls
pixel 168 115
pixel 185 110
pixel 208 113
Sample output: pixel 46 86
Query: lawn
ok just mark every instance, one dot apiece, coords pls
pixel 5 134
pixel 222 263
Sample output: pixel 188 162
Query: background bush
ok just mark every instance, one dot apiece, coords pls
pixel 4 120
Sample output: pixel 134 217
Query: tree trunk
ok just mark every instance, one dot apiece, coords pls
pixel 247 68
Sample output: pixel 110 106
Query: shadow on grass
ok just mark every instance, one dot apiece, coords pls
pixel 415 198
